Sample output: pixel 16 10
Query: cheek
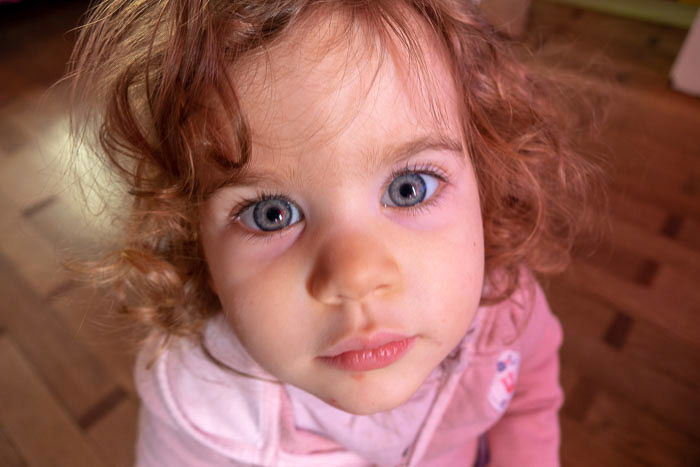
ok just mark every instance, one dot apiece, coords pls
pixel 452 264
pixel 253 312
pixel 258 294
pixel 454 269
pixel 465 235
pixel 263 303
pixel 243 268
pixel 455 248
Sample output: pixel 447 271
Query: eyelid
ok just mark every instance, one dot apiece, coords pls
pixel 264 237
pixel 248 202
pixel 423 167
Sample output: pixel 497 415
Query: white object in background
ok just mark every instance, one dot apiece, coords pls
pixel 685 73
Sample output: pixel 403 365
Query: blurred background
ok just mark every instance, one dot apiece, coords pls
pixel 630 312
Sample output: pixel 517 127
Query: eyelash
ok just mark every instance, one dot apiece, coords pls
pixel 426 169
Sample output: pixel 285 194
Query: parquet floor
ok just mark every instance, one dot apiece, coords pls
pixel 631 313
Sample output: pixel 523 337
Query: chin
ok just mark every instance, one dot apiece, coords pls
pixel 368 399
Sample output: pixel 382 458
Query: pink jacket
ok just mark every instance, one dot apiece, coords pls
pixel 499 382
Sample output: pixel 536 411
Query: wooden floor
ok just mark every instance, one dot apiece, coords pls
pixel 631 313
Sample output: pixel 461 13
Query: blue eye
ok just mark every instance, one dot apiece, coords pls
pixel 270 215
pixel 410 189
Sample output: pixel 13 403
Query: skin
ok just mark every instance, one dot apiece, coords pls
pixel 330 130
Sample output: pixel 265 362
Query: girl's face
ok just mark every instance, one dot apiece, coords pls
pixel 349 259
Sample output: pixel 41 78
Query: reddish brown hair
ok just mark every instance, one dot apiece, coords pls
pixel 149 71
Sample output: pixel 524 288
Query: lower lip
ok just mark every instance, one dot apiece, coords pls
pixel 370 359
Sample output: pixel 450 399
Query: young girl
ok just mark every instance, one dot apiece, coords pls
pixel 338 207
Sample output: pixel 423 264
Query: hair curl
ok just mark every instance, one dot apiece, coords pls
pixel 145 72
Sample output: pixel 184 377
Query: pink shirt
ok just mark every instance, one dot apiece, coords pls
pixel 498 381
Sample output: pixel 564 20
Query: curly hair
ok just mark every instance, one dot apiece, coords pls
pixel 145 73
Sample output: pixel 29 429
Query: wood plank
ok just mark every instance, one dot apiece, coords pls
pixel 649 391
pixel 68 368
pixel 81 306
pixel 662 249
pixel 641 302
pixel 91 318
pixel 37 261
pixel 12 86
pixel 9 456
pixel 689 234
pixel 645 343
pixel 33 256
pixel 636 54
pixel 640 435
pixel 667 127
pixel 39 66
pixel 618 259
pixel 12 138
pixel 677 289
pixel 41 114
pixel 620 38
pixel 13 176
pixel 43 432
pixel 648 150
pixel 627 208
pixel 635 160
pixel 579 313
pixel 115 434
pixel 583 447
pixel 651 346
pixel 66 227
pixel 568 378
pixel 647 190
pixel 653 181
pixel 667 13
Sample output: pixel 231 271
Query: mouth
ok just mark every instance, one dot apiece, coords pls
pixel 369 353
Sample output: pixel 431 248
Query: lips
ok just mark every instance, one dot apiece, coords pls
pixel 368 353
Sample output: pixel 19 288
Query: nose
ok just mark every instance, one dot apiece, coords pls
pixel 353 268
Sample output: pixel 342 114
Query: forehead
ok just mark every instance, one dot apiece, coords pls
pixel 333 87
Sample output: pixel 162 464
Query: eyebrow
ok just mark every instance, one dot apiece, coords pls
pixel 372 161
pixel 401 152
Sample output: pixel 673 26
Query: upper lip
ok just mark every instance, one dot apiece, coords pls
pixel 355 343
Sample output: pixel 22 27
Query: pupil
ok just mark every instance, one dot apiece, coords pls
pixel 274 215
pixel 407 190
